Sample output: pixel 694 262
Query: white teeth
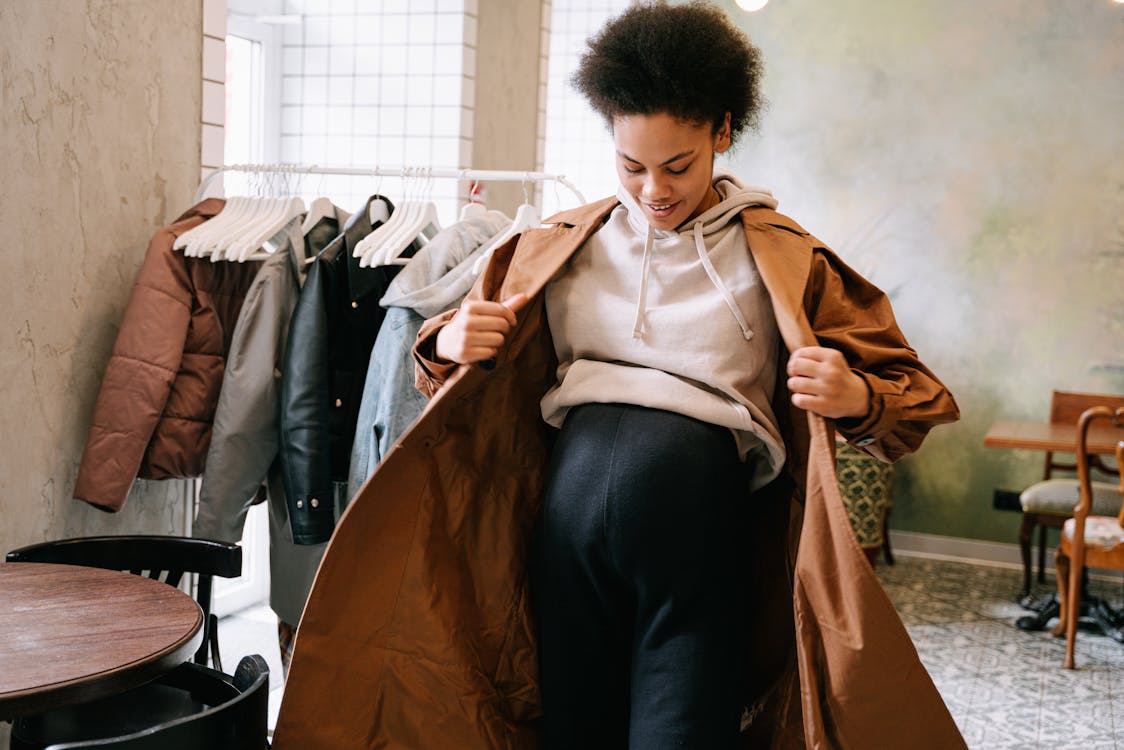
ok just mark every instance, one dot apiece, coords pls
pixel 660 208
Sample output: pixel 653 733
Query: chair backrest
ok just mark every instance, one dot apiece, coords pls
pixel 1067 407
pixel 235 721
pixel 165 558
pixel 1084 461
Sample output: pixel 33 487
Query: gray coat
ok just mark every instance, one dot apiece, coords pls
pixel 245 442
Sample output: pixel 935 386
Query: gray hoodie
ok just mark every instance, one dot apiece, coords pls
pixel 671 319
pixel 435 279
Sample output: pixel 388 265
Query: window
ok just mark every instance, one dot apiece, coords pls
pixel 578 144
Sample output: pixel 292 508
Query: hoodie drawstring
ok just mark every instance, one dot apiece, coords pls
pixel 638 326
pixel 715 279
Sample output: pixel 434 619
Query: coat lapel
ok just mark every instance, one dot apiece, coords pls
pixel 541 253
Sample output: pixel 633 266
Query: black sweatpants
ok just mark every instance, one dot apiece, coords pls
pixel 634 582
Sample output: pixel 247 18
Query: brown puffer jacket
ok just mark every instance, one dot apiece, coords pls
pixel 157 399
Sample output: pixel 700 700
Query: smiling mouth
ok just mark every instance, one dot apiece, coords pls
pixel 662 208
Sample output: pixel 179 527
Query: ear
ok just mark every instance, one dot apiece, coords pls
pixel 722 137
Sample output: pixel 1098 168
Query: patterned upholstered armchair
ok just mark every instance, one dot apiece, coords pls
pixel 865 484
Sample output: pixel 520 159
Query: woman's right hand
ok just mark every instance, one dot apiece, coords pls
pixel 478 330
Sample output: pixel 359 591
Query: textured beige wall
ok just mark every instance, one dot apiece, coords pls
pixel 99 142
pixel 505 128
pixel 968 157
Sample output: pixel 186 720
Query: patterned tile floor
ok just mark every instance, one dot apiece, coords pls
pixel 1005 688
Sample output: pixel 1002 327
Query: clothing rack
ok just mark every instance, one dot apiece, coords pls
pixel 478 175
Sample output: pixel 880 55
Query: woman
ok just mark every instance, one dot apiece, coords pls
pixel 658 351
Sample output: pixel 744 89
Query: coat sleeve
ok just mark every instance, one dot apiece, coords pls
pixel 850 314
pixel 430 373
pixel 306 466
pixel 138 378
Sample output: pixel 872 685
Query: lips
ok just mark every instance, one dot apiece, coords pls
pixel 661 210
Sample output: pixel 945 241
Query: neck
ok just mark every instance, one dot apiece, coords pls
pixel 709 201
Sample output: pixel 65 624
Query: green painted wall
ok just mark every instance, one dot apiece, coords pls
pixel 969 158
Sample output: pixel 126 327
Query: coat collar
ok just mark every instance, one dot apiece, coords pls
pixel 360 281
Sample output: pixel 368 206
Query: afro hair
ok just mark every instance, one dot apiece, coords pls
pixel 688 61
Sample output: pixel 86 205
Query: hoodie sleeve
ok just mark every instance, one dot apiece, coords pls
pixel 850 314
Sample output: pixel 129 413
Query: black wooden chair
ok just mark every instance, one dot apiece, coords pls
pixel 220 712
pixel 163 558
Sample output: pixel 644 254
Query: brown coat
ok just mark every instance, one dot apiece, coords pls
pixel 417 633
pixel 158 395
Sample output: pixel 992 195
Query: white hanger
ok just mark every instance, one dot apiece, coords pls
pixel 261 227
pixel 368 244
pixel 321 208
pixel 225 246
pixel 220 236
pixel 373 247
pixel 473 207
pixel 290 209
pixel 527 216
pixel 422 221
pixel 194 239
pixel 429 226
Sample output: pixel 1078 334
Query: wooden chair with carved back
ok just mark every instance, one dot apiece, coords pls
pixel 1088 539
pixel 1049 503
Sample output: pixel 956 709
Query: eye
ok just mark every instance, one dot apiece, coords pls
pixel 678 171
pixel 631 170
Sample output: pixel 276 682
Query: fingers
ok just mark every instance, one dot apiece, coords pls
pixel 515 302
pixel 821 381
pixel 485 309
pixel 479 329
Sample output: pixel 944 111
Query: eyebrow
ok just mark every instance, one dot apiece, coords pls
pixel 677 157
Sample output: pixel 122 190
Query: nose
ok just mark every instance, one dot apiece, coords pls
pixel 655 188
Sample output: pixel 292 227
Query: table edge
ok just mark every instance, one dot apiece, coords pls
pixel 111 682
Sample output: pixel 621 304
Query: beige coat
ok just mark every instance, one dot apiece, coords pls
pixel 418 635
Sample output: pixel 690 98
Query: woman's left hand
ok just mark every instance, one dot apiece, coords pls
pixel 821 382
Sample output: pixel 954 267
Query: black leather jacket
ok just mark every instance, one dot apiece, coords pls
pixel 330 339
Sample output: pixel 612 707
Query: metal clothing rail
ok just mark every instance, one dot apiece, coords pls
pixel 410 172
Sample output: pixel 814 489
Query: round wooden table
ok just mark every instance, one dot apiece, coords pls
pixel 70 634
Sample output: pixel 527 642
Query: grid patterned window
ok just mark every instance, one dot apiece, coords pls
pixel 366 83
pixel 576 142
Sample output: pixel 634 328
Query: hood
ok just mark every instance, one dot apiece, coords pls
pixel 734 196
pixel 440 274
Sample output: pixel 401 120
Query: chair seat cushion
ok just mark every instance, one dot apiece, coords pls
pixel 1059 496
pixel 1100 531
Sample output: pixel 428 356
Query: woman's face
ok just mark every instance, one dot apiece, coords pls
pixel 667 165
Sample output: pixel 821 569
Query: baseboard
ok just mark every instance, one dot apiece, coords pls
pixel 974 551
pixel 959 549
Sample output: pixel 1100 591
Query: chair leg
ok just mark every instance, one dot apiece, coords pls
pixel 871 555
pixel 1042 529
pixel 213 638
pixel 1073 604
pixel 1061 573
pixel 1026 533
pixel 886 538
